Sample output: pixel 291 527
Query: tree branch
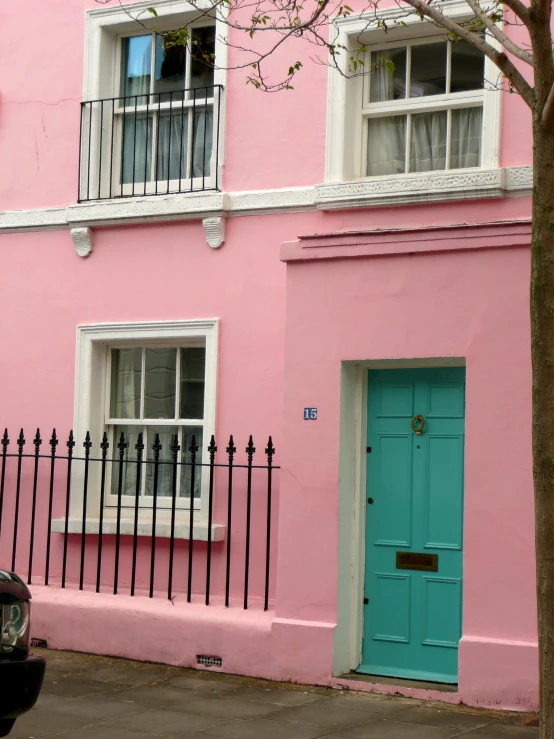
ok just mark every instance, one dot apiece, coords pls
pixel 508 69
pixel 499 35
pixel 519 9
pixel 547 115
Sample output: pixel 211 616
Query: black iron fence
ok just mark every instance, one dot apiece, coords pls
pixel 150 144
pixel 128 519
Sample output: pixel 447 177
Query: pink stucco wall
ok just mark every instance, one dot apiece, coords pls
pixel 286 330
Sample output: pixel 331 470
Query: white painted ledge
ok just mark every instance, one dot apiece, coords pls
pixel 184 206
pixel 424 187
pixel 375 192
pixel 163 528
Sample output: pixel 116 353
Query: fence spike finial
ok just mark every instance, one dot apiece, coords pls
pixel 87 443
pixel 122 444
pixel 5 441
pixel 21 441
pixel 157 446
pixel 175 446
pixel 231 449
pixel 270 451
pixel 37 441
pixel 71 442
pixel 212 448
pixel 104 444
pixel 250 449
pixel 139 446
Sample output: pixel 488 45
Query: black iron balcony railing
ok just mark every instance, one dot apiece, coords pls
pixel 58 527
pixel 150 144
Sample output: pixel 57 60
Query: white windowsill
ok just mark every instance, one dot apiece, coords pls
pixel 163 528
pixel 461 184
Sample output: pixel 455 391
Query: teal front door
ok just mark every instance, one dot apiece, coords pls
pixel 414 524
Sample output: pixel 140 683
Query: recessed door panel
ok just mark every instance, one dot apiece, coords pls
pixel 393 625
pixel 442 611
pixel 395 479
pixel 443 492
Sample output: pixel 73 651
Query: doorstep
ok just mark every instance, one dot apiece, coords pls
pixel 420 689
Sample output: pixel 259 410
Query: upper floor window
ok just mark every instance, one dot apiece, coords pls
pixel 422 122
pixel 151 120
pixel 165 106
pixel 426 114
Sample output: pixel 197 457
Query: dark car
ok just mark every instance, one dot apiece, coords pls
pixel 21 674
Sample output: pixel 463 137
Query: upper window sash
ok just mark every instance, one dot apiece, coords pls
pixel 140 415
pixel 428 101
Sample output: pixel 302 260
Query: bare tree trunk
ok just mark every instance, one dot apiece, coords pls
pixel 542 348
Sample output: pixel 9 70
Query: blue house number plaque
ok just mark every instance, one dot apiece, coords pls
pixel 310 414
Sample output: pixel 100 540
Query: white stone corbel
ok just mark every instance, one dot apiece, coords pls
pixel 82 240
pixel 214 229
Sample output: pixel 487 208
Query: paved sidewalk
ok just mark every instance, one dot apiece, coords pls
pixel 102 698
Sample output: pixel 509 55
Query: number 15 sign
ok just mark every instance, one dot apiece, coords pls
pixel 310 414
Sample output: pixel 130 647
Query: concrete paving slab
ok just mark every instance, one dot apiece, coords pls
pixel 441 717
pixel 229 707
pixel 385 729
pixel 277 696
pixel 40 723
pixel 498 731
pixel 165 723
pixel 263 728
pixel 324 714
pixel 370 704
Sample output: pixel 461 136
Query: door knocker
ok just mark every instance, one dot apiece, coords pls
pixel 418 424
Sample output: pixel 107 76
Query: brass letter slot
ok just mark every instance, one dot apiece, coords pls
pixel 413 561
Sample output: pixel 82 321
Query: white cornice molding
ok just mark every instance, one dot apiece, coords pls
pixel 182 207
pixel 416 188
pixel 377 192
pixel 35 219
pixel 260 202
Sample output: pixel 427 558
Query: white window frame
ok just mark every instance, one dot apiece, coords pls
pixel 164 502
pixel 104 28
pixel 345 110
pixel 92 381
pixel 411 106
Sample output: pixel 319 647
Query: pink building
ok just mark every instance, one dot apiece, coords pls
pixel 344 268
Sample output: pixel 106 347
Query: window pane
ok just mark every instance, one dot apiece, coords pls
pixel 165 461
pixel 465 147
pixel 169 69
pixel 202 141
pixel 468 68
pixel 202 46
pixel 382 84
pixel 125 383
pixel 193 363
pixel 172 145
pixel 129 466
pixel 136 62
pixel 428 142
pixel 136 158
pixel 159 394
pixel 428 70
pixel 386 145
pixel 186 471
